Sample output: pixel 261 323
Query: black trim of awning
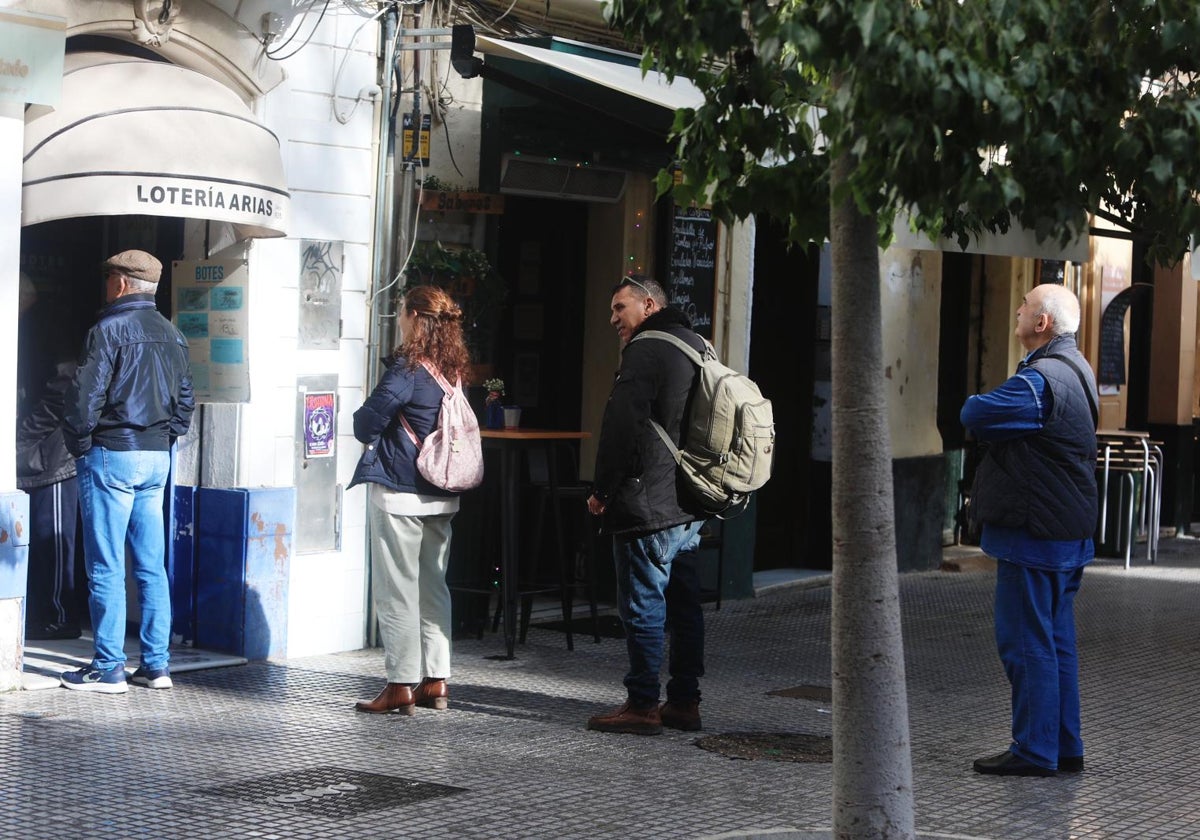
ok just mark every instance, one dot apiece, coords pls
pixel 173 175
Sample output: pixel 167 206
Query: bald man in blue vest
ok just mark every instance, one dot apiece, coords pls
pixel 1035 494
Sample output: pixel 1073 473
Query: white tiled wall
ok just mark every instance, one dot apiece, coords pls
pixel 330 170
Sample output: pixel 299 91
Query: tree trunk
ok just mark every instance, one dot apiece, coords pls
pixel 872 770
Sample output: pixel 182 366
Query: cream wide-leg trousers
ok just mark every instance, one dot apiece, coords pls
pixel 409 555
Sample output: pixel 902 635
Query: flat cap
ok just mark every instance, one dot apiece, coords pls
pixel 136 264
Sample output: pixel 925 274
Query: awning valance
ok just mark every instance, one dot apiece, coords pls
pixel 137 137
pixel 623 78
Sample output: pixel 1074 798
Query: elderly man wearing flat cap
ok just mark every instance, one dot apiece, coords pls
pixel 130 399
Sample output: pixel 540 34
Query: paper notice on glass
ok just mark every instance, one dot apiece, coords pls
pixel 210 309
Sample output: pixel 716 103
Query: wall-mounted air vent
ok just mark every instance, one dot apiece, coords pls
pixel 555 179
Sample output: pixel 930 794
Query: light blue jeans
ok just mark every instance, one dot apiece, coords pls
pixel 121 498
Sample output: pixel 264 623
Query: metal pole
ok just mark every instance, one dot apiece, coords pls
pixel 380 303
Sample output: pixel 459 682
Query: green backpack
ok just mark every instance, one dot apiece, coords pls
pixel 729 441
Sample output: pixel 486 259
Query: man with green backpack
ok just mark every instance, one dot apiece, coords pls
pixel 655 484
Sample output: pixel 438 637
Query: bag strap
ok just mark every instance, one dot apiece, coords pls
pixel 1069 362
pixel 695 358
pixel 446 387
pixel 441 380
pixel 685 348
pixel 411 434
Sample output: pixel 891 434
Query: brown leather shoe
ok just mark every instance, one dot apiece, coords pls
pixel 432 694
pixel 629 720
pixel 395 697
pixel 681 714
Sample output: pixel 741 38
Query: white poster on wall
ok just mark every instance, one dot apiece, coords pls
pixel 209 306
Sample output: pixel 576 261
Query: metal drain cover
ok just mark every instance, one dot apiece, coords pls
pixel 770 746
pixel 333 791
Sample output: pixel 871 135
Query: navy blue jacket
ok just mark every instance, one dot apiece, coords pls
pixel 390 458
pixel 636 475
pixel 133 387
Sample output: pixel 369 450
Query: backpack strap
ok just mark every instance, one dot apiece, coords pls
pixel 695 358
pixel 441 380
pixel 446 387
pixel 685 348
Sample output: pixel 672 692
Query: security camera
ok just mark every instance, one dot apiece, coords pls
pixel 370 92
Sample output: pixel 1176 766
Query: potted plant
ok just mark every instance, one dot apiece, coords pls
pixel 493 406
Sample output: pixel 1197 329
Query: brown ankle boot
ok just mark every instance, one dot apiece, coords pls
pixel 681 714
pixel 432 694
pixel 629 720
pixel 395 697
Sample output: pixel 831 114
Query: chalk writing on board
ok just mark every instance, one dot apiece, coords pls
pixel 692 273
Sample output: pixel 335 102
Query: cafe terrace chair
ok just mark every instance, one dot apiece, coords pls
pixel 1128 459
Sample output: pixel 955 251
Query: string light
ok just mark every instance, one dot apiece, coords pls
pixel 636 237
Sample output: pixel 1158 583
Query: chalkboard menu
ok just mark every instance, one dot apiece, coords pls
pixel 1112 333
pixel 692 267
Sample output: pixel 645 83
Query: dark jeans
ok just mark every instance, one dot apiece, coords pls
pixel 685 622
pixel 1035 635
pixel 658 588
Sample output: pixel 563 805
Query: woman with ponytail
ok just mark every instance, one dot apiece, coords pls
pixel 409 518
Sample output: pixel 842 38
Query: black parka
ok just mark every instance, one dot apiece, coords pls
pixel 42 456
pixel 636 476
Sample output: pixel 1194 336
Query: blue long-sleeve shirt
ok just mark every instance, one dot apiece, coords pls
pixel 1016 408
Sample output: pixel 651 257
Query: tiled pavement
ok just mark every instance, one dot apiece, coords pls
pixel 276 751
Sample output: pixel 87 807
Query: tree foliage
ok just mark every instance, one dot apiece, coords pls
pixel 1087 104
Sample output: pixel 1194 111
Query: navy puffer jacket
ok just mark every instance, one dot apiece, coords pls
pixel 390 457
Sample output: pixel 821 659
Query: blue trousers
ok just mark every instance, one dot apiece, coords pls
pixel 658 587
pixel 1035 636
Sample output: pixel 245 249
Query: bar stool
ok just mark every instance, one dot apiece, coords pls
pixel 575 565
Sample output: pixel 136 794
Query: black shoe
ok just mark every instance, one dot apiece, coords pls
pixel 52 631
pixel 1070 763
pixel 1007 764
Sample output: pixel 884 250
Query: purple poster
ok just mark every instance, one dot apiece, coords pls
pixel 318 425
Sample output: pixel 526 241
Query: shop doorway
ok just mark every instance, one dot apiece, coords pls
pixel 542 255
pixel 61 259
pixel 793 513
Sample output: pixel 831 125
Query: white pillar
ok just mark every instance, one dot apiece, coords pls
pixel 12 133
pixel 14 508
